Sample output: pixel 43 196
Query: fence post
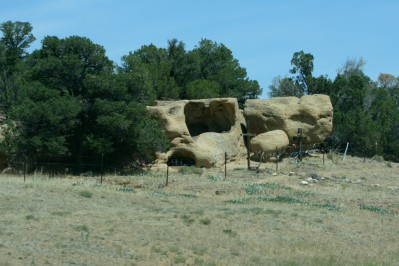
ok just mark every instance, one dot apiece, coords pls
pixel 167 174
pixel 225 165
pixel 102 167
pixel 248 135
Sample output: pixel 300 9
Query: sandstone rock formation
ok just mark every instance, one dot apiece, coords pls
pixel 312 113
pixel 269 141
pixel 201 131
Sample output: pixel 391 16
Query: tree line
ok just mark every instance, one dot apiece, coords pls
pixel 366 112
pixel 68 102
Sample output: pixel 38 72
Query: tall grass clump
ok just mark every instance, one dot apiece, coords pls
pixel 189 170
pixel 214 178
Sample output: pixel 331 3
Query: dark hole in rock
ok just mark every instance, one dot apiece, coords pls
pixel 217 117
pixel 181 158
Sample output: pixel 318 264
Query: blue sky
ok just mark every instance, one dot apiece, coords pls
pixel 262 34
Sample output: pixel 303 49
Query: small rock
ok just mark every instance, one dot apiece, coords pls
pixel 305 183
pixel 291 173
pixel 274 174
pixel 309 179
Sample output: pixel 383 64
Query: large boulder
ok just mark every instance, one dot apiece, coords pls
pixel 312 113
pixel 201 131
pixel 269 142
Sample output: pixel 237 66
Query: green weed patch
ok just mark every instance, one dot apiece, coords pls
pixel 260 188
pixel 377 209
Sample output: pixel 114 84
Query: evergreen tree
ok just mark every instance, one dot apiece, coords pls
pixel 16 39
pixel 77 107
pixel 153 68
pixel 352 123
pixel 303 82
pixel 40 126
pixel 384 109
pixel 303 67
pixel 218 64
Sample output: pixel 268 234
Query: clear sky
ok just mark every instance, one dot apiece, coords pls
pixel 262 34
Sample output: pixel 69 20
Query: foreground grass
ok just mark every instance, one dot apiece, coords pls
pixel 202 219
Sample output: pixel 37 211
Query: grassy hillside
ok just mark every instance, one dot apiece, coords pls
pixel 347 214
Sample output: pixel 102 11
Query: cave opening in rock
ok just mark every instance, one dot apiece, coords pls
pixel 181 158
pixel 217 117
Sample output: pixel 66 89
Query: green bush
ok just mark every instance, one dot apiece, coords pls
pixel 86 194
pixel 229 232
pixel 205 221
pixel 30 217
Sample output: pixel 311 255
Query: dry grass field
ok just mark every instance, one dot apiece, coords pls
pixel 347 214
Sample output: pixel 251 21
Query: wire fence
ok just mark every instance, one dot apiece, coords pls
pixel 90 166
pixel 86 166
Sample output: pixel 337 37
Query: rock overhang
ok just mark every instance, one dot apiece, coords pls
pixel 202 131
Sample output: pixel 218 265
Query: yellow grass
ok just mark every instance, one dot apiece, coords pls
pixel 349 217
